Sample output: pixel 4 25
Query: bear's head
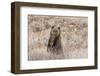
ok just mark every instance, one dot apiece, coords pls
pixel 55 31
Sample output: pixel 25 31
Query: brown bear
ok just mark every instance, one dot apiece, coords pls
pixel 54 44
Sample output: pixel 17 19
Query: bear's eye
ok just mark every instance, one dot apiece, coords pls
pixel 52 26
pixel 58 27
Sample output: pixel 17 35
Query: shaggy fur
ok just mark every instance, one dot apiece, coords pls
pixel 54 44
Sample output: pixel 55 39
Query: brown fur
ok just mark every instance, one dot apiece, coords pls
pixel 54 44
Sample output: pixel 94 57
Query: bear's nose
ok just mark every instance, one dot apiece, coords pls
pixel 55 31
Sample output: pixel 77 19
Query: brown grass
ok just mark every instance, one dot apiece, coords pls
pixel 74 34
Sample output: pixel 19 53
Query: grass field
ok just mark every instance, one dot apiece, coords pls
pixel 74 35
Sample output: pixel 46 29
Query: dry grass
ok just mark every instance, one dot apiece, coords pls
pixel 74 34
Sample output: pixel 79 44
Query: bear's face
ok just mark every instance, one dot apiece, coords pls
pixel 55 31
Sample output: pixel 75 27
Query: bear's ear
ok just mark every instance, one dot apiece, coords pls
pixel 58 27
pixel 52 26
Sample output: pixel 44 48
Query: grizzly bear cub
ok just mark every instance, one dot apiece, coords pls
pixel 54 44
